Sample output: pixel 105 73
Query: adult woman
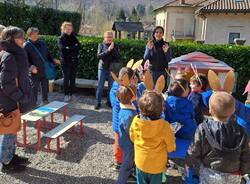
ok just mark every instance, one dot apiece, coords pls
pixel 37 52
pixel 158 53
pixel 15 89
pixel 69 47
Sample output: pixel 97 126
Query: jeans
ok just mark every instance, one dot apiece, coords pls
pixel 145 178
pixel 7 148
pixel 69 79
pixel 103 75
pixel 38 81
pixel 127 166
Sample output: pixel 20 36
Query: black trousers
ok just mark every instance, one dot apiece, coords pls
pixel 37 82
pixel 69 79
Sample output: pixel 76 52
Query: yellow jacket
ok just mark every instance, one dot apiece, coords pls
pixel 152 141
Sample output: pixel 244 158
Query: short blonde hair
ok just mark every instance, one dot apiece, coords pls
pixel 222 105
pixel 108 33
pixel 64 24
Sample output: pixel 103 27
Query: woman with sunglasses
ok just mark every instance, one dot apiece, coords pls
pixel 158 53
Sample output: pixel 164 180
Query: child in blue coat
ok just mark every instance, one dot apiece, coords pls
pixel 126 96
pixel 179 109
pixel 115 113
pixel 198 84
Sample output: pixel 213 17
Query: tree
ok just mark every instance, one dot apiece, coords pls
pixel 150 10
pixel 121 15
pixel 134 16
pixel 141 10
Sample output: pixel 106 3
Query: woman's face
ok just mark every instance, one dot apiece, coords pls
pixel 108 38
pixel 68 30
pixel 34 36
pixel 19 42
pixel 158 34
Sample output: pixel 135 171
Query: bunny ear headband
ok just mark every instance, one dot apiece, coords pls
pixel 144 68
pixel 215 84
pixel 149 84
pixel 134 65
pixel 194 68
pixel 178 82
pixel 123 82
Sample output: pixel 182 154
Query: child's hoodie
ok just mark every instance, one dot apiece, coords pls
pixel 152 139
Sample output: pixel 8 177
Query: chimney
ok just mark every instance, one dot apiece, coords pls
pixel 182 1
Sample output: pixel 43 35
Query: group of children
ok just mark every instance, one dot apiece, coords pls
pixel 142 116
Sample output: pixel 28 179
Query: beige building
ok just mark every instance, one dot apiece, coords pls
pixel 212 21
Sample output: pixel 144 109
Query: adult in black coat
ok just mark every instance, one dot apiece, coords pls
pixel 37 71
pixel 14 89
pixel 69 47
pixel 159 54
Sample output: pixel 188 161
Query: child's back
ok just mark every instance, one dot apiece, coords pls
pixel 153 139
pixel 179 109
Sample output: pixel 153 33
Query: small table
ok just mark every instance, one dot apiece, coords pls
pixel 39 114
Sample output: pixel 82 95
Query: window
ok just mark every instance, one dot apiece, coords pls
pixel 232 36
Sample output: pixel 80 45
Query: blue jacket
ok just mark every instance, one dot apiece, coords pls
pixel 196 99
pixel 115 106
pixel 126 116
pixel 140 88
pixel 205 97
pixel 181 110
pixel 243 116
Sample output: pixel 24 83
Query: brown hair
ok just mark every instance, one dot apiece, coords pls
pixel 222 105
pixel 9 34
pixel 126 70
pixel 201 81
pixel 32 30
pixel 176 87
pixel 151 104
pixel 126 94
pixel 64 24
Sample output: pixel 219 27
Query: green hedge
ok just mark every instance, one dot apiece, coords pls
pixel 46 19
pixel 237 57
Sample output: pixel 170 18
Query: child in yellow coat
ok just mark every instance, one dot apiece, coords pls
pixel 153 138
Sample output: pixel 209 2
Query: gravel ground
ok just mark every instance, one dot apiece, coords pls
pixel 85 160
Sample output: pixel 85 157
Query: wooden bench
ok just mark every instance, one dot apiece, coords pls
pixel 81 83
pixel 38 114
pixel 62 128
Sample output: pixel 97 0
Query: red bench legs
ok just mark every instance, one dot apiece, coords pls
pixel 58 149
pixel 44 122
pixel 52 124
pixel 38 126
pixel 24 133
pixel 65 111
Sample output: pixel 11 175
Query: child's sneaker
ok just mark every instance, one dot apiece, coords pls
pixel 116 167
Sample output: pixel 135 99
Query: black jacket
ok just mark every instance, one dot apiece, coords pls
pixel 34 58
pixel 14 65
pixel 107 57
pixel 158 60
pixel 69 49
pixel 220 146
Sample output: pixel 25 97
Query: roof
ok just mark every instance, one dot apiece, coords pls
pixel 128 26
pixel 188 3
pixel 226 6
pixel 201 61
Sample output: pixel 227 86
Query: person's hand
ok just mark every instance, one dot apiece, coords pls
pixel 165 47
pixel 111 47
pixel 57 62
pixel 33 69
pixel 150 44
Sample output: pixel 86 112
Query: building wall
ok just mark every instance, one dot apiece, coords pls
pixel 218 27
pixel 178 20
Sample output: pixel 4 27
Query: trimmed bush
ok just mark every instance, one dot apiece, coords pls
pixel 47 20
pixel 238 57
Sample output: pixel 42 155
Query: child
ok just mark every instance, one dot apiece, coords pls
pixel 141 86
pixel 115 113
pixel 198 84
pixel 127 112
pixel 220 147
pixel 179 109
pixel 152 138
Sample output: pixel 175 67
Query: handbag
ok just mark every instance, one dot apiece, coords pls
pixel 50 72
pixel 11 123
